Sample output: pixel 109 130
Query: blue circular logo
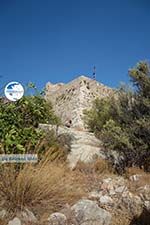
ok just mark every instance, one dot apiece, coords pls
pixel 14 91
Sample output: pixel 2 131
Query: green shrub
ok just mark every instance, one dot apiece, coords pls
pixel 115 137
pixel 19 121
pixel 123 121
pixel 98 115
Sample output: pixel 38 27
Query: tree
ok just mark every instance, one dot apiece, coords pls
pixel 123 121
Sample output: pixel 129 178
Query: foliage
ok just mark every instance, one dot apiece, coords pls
pixel 19 121
pixel 140 129
pixel 123 121
pixel 115 137
pixel 98 115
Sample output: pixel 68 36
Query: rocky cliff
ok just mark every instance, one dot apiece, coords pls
pixel 69 100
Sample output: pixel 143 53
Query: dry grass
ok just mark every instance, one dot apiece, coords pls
pixel 99 167
pixel 121 218
pixel 94 172
pixel 49 186
pixel 55 154
pixel 44 187
pixel 133 171
pixel 102 166
pixel 143 179
pixel 2 222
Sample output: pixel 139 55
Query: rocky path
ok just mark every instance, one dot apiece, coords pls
pixel 84 145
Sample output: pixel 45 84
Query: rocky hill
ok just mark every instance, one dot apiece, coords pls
pixel 69 100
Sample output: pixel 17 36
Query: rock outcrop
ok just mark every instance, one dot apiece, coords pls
pixel 85 147
pixel 89 213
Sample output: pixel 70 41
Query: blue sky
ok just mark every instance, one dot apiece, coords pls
pixel 57 40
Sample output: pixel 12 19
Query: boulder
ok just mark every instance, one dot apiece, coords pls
pixel 57 219
pixel 105 199
pixel 88 212
pixel 121 189
pixel 15 221
pixel 27 216
pixel 3 214
pixel 95 194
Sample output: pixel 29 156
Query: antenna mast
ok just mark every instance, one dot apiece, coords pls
pixel 94 73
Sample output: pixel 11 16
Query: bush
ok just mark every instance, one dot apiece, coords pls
pixel 98 115
pixel 19 121
pixel 115 137
pixel 123 121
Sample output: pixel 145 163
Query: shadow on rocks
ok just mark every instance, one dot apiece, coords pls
pixel 143 219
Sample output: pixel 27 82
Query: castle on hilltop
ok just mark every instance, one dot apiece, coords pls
pixel 69 100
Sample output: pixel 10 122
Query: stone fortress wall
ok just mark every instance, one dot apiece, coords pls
pixel 69 100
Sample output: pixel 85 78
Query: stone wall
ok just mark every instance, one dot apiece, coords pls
pixel 69 100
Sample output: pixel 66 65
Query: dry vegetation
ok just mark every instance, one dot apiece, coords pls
pixel 44 187
pixel 143 179
pixel 49 186
pixel 94 172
